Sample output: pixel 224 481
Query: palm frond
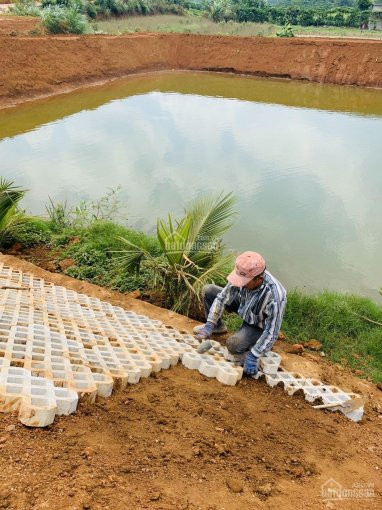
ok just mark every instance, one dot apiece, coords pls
pixel 174 238
pixel 216 272
pixel 211 218
pixel 11 217
pixel 132 256
pixel 10 195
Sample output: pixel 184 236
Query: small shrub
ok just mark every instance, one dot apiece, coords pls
pixel 62 3
pixel 286 31
pixel 106 208
pixel 33 231
pixel 25 8
pixel 220 10
pixel 192 253
pixel 64 20
pixel 90 10
pixel 35 32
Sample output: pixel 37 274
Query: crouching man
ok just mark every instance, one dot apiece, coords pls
pixel 258 298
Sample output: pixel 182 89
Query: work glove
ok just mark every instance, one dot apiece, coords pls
pixel 251 362
pixel 206 331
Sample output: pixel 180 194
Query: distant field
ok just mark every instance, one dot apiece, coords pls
pixel 183 25
pixel 337 32
pixel 201 25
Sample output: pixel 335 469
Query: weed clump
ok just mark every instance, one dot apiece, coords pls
pixel 64 20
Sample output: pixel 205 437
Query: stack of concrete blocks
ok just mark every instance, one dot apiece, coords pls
pixel 58 346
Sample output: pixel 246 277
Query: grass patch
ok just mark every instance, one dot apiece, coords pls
pixel 337 32
pixel 334 319
pixel 190 24
pixel 183 25
pixel 94 249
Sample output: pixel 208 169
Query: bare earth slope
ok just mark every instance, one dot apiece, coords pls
pixel 174 441
pixel 38 66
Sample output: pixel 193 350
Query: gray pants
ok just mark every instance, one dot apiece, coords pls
pixel 244 338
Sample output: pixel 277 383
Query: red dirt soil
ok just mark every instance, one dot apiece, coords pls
pixel 182 441
pixel 17 25
pixel 38 66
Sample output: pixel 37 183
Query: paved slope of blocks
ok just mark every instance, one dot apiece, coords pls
pixel 58 347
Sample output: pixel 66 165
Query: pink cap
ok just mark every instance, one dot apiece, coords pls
pixel 247 265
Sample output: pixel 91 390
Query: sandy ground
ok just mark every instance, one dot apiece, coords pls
pixel 182 441
pixel 39 66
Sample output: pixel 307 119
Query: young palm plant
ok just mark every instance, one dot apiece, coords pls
pixel 10 216
pixel 192 253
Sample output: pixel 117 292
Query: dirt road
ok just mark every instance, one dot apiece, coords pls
pixel 182 441
pixel 38 66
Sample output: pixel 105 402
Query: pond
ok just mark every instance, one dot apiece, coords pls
pixel 303 159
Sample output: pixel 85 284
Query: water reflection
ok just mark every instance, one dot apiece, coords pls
pixel 308 181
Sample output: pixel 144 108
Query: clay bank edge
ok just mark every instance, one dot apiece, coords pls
pixel 41 66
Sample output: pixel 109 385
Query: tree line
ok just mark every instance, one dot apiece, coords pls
pixel 260 11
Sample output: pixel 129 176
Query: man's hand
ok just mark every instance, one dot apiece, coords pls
pixel 204 346
pixel 251 362
pixel 206 331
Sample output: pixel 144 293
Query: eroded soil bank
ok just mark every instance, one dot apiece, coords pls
pixel 38 66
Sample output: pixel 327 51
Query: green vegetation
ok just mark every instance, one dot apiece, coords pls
pixel 25 8
pixel 64 20
pixel 183 25
pixel 286 31
pixel 231 17
pixel 191 255
pixel 87 235
pixel 296 14
pixel 71 16
pixel 202 25
pixel 336 32
pixel 184 255
pixel 58 16
pixel 342 323
pixel 11 218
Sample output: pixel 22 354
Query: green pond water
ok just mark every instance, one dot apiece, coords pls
pixel 305 161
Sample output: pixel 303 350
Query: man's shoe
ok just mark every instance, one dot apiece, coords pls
pixel 218 330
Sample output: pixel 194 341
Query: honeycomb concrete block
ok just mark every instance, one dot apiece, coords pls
pixel 66 400
pixel 104 384
pixel 229 374
pixel 39 408
pixel 58 346
pixel 270 362
pixel 192 360
pixel 268 365
pixel 208 367
pixel 37 412
pixel 312 389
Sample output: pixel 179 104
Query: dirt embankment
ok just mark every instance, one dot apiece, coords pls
pixel 37 66
pixel 17 25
